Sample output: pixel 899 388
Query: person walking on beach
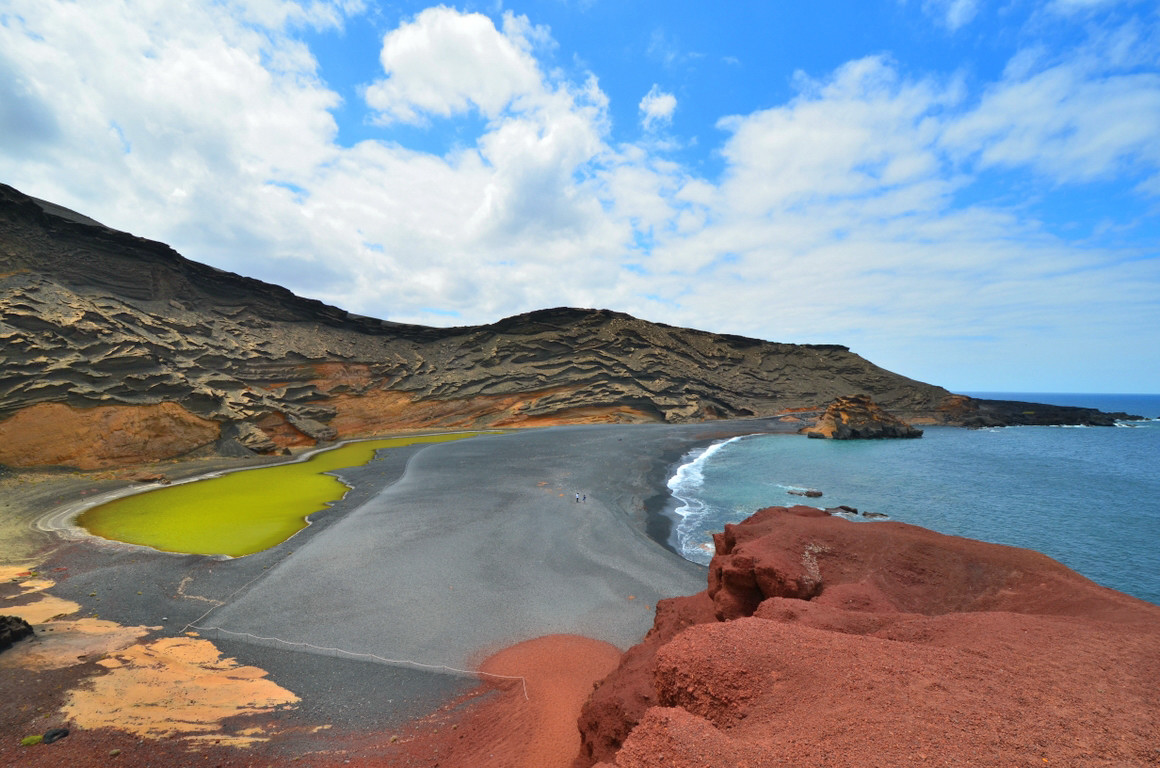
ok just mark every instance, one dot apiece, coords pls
pixel 577 498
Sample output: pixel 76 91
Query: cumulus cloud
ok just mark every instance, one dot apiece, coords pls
pixel 444 62
pixel 837 215
pixel 860 130
pixel 657 108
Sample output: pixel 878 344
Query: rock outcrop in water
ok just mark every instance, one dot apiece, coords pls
pixel 821 641
pixel 139 354
pixel 857 417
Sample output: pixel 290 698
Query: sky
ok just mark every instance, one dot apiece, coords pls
pixel 966 192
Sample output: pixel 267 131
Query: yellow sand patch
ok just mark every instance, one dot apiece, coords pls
pixel 60 644
pixel 222 739
pixel 174 686
pixel 36 585
pixel 14 572
pixel 44 608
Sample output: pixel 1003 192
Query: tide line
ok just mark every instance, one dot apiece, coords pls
pixel 372 656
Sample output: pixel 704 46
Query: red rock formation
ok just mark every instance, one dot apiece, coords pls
pixel 855 417
pixel 822 641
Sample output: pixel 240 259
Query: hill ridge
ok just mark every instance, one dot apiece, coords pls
pixel 101 328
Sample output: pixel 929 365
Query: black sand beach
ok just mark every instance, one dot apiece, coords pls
pixel 439 556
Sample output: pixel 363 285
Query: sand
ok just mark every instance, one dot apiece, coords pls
pixel 443 560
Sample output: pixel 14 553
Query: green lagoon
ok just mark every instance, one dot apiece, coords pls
pixel 241 512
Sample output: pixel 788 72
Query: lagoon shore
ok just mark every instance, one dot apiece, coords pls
pixel 439 558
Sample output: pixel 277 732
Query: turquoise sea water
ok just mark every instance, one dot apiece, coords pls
pixel 1086 496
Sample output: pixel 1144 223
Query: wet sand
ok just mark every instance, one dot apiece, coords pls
pixel 439 557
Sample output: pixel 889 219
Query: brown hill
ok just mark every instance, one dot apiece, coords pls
pixel 117 350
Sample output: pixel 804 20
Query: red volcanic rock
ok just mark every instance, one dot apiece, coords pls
pixel 854 644
pixel 857 417
pixel 622 698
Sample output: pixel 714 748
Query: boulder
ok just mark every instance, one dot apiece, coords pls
pixel 12 630
pixel 149 477
pixel 857 417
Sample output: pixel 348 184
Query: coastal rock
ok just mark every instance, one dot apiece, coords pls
pixel 830 642
pixel 980 413
pixel 809 494
pixel 149 477
pixel 857 417
pixel 12 630
pixel 54 735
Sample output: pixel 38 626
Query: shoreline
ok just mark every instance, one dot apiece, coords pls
pixel 61 520
pixel 593 570
pixel 477 544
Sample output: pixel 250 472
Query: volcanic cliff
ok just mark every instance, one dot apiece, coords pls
pixel 117 350
pixel 821 641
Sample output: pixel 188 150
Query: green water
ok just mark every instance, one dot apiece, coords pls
pixel 239 513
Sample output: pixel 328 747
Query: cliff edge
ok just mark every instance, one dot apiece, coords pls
pixel 821 641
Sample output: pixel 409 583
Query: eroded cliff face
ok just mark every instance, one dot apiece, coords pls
pixel 821 641
pixel 94 318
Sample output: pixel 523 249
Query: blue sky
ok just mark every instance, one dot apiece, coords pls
pixel 962 191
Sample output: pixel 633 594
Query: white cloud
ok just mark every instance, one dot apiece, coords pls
pixel 953 14
pixel 861 130
pixel 835 217
pixel 1089 117
pixel 657 108
pixel 1072 7
pixel 444 62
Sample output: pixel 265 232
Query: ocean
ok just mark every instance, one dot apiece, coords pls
pixel 1087 496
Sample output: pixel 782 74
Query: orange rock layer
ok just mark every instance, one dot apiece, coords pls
pixel 54 434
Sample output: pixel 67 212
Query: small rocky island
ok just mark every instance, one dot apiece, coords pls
pixel 857 417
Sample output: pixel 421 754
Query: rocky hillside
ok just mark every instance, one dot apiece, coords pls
pixel 117 350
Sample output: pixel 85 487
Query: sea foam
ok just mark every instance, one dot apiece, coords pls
pixel 694 543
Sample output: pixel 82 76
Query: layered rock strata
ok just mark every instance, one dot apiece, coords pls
pixel 821 641
pixel 857 417
pixel 106 334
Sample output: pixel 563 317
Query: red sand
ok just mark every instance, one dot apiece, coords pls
pixel 913 649
pixel 494 727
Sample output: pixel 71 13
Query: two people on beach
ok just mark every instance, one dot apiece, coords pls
pixel 578 498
